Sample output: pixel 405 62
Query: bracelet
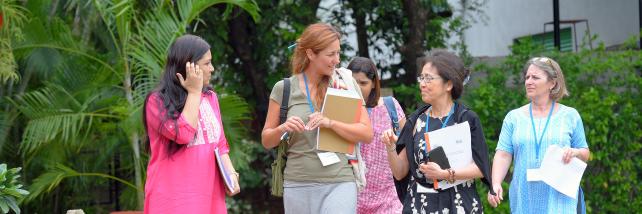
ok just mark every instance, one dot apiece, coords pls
pixel 391 149
pixel 452 176
pixel 448 176
pixel 329 123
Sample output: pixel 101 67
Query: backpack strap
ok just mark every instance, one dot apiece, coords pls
pixel 461 114
pixel 392 112
pixel 281 151
pixel 283 113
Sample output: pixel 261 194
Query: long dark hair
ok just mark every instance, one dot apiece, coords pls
pixel 187 48
pixel 367 67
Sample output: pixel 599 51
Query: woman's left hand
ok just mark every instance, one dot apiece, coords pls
pixel 316 120
pixel 569 153
pixel 237 187
pixel 433 171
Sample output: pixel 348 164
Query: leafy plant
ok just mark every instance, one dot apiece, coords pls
pixel 11 191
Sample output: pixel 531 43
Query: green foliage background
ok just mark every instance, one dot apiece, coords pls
pixel 73 74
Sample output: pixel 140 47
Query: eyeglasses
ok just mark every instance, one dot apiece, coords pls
pixel 426 79
pixel 544 60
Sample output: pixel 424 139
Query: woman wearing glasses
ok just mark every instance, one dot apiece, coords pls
pixel 441 83
pixel 526 134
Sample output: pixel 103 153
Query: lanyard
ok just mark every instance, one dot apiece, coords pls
pixel 452 111
pixel 538 143
pixel 307 90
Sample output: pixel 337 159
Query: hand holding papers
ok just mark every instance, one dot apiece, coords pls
pixel 455 141
pixel 343 106
pixel 564 178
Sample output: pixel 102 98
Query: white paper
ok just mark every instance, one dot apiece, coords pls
pixel 328 158
pixel 423 189
pixel 564 178
pixel 455 140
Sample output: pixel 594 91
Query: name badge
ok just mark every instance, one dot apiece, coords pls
pixel 533 175
pixel 328 158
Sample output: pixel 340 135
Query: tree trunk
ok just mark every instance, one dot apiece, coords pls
pixel 413 46
pixel 244 41
pixel 241 39
pixel 313 6
pixel 134 140
pixel 359 15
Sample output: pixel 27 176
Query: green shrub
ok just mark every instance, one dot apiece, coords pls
pixel 11 191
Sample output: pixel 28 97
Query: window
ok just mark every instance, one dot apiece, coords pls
pixel 546 39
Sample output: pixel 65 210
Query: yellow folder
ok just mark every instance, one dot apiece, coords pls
pixel 339 105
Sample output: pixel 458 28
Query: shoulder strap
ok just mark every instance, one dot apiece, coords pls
pixel 461 114
pixel 392 112
pixel 283 113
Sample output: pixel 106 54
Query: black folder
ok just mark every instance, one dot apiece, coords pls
pixel 438 156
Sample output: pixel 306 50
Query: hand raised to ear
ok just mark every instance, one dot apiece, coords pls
pixel 193 82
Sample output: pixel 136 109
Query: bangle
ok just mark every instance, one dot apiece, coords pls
pixel 448 175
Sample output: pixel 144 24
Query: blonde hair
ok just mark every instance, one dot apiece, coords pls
pixel 554 73
pixel 315 37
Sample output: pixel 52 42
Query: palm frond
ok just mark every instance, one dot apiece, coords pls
pixel 14 18
pixel 117 16
pixel 51 179
pixel 78 52
pixel 7 63
pixel 234 110
pixel 158 29
pixel 191 9
pixel 6 122
pixel 54 117
pixel 47 48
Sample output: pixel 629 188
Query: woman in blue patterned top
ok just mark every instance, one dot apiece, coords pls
pixel 526 134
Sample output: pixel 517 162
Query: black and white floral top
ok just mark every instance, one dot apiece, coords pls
pixel 462 198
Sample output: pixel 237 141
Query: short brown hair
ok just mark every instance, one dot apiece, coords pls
pixel 449 67
pixel 553 72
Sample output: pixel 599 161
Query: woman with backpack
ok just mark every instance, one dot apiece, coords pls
pixel 441 82
pixel 379 195
pixel 308 186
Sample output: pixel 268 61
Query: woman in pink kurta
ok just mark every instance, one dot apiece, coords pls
pixel 184 128
pixel 380 195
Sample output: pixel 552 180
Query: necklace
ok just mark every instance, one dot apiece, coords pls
pixel 440 118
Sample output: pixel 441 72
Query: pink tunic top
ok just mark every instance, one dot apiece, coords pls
pixel 189 181
pixel 380 195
